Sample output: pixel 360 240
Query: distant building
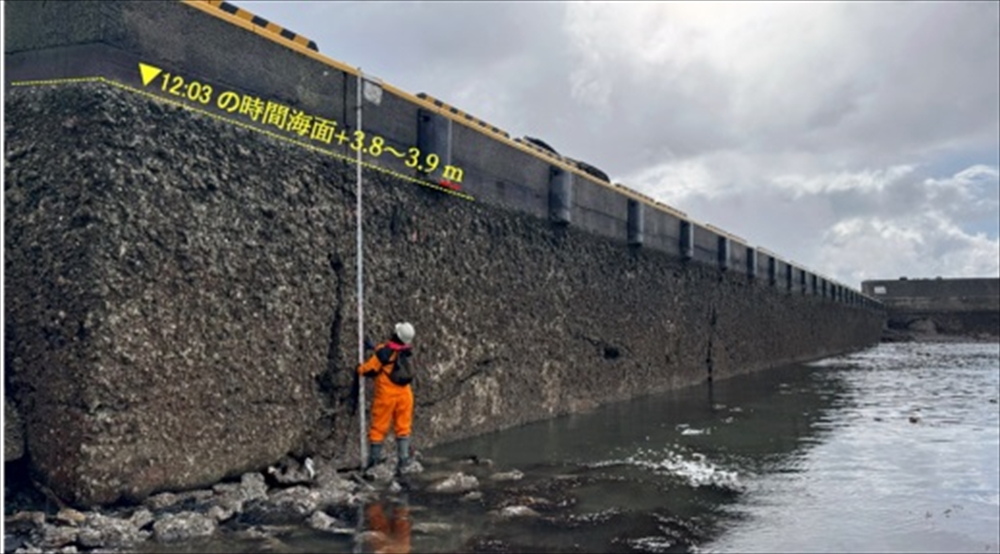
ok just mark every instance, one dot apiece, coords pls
pixel 968 307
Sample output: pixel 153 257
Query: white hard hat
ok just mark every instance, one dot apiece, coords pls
pixel 405 332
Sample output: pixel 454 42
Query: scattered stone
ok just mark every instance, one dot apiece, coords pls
pixel 230 503
pixel 162 500
pixel 220 514
pixel 285 506
pixel 511 512
pixel 289 472
pixel 183 526
pixel 321 521
pixel 200 495
pixel 179 501
pixel 170 517
pixel 513 475
pixel 32 518
pixel 380 473
pixel 411 468
pixel 231 499
pixel 429 528
pixel 250 533
pixel 70 516
pixel 456 483
pixel 328 478
pixel 332 497
pixel 51 537
pixel 300 500
pixel 434 460
pixel 530 501
pixel 476 460
pixel 914 418
pixel 141 518
pixel 362 483
pixel 225 488
pixel 437 475
pixel 106 531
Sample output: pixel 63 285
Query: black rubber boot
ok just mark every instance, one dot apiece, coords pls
pixel 403 450
pixel 374 455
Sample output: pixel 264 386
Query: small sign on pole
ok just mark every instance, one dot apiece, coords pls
pixel 372 90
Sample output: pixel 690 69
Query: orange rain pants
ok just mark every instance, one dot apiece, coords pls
pixel 391 403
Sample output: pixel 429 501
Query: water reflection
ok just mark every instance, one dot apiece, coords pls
pixel 757 421
pixel 657 474
pixel 389 522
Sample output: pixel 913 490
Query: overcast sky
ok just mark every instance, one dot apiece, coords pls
pixel 860 140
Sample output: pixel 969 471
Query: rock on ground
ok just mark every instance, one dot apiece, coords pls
pixel 183 526
pixel 107 531
pixel 321 521
pixel 457 483
pixel 511 512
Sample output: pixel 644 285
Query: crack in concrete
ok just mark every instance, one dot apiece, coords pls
pixel 606 350
pixel 328 381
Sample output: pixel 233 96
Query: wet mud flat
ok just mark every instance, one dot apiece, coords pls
pixel 440 504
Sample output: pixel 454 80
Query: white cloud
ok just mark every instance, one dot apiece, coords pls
pixel 866 181
pixel 972 192
pixel 924 246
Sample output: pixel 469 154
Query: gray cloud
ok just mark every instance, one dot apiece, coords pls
pixel 766 119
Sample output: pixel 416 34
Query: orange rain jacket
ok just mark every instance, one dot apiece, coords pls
pixel 391 402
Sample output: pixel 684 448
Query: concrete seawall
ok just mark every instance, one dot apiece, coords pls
pixel 968 307
pixel 180 287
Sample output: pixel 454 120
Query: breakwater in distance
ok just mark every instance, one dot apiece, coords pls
pixel 180 276
pixel 939 307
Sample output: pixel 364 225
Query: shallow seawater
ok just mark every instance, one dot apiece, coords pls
pixel 879 480
pixel 893 449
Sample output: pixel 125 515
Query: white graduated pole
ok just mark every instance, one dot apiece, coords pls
pixel 368 89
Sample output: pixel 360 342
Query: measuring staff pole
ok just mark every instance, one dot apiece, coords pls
pixel 361 298
pixel 363 451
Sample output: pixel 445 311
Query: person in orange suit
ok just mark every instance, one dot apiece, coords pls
pixel 394 531
pixel 393 399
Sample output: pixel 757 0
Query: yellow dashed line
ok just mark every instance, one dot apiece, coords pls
pixel 245 126
pixel 56 81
